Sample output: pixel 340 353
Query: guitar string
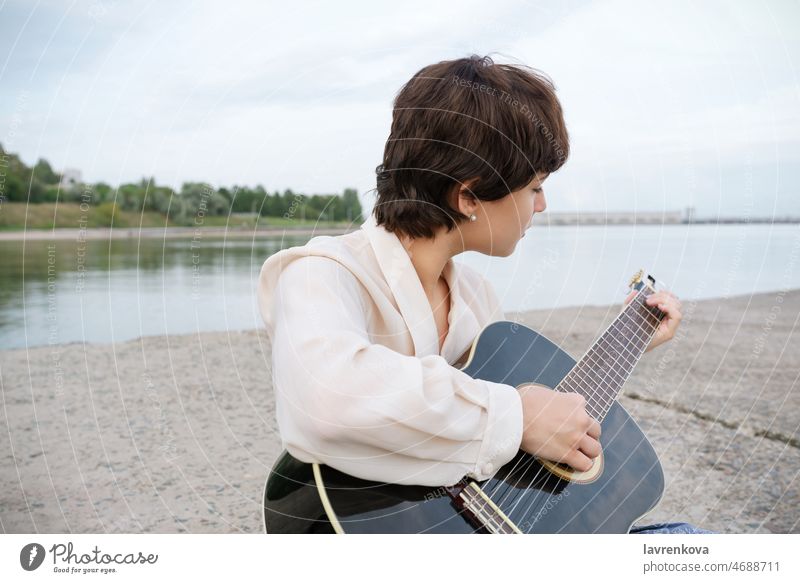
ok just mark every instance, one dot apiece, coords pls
pixel 607 398
pixel 536 495
pixel 518 499
pixel 533 497
pixel 531 459
pixel 574 387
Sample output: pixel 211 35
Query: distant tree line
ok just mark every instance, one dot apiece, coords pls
pixel 40 183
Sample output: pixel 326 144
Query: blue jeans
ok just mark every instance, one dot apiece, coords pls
pixel 669 528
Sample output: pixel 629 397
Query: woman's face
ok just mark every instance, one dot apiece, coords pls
pixel 500 224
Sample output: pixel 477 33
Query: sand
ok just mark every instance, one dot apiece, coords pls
pixel 177 433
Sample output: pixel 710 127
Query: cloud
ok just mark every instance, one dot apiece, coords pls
pixel 298 95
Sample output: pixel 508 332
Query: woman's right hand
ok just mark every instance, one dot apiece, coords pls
pixel 556 427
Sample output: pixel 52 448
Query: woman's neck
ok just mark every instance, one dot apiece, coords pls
pixel 430 256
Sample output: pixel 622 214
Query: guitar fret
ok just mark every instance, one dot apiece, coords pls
pixel 604 362
pixel 597 397
pixel 621 354
pixel 590 408
pixel 615 345
pixel 591 377
pixel 596 379
pixel 644 340
pixel 609 359
pixel 591 381
pixel 588 391
pixel 651 318
pixel 592 372
pixel 609 395
pixel 606 366
pixel 625 351
pixel 609 384
pixel 634 332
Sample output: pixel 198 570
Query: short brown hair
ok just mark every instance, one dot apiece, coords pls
pixel 463 119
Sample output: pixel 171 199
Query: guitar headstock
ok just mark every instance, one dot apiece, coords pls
pixel 640 280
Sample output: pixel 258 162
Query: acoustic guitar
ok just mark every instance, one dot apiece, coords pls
pixel 528 494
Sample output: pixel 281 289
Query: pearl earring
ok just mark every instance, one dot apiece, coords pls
pixel 472 217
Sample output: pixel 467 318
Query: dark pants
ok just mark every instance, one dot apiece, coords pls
pixel 669 528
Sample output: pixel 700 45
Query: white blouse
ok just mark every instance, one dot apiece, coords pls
pixel 359 382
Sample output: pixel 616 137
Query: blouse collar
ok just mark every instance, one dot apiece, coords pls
pixel 402 278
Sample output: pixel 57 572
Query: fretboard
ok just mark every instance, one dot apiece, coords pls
pixel 605 367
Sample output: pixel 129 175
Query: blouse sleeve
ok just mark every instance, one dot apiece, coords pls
pixel 370 411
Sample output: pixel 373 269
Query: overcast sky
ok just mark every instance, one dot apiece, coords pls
pixel 668 105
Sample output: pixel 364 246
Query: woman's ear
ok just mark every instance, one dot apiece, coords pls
pixel 466 203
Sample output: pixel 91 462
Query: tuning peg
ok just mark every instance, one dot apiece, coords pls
pixel 637 277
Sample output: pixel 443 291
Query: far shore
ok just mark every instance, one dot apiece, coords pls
pixel 169 233
pixel 100 233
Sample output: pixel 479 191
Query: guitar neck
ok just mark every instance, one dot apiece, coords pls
pixel 600 374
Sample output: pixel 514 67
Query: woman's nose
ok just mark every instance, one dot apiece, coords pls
pixel 541 204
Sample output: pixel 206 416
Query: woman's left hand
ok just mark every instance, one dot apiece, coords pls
pixel 671 306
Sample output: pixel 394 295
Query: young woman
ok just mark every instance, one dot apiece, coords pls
pixel 368 329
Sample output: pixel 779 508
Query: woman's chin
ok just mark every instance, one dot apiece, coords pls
pixel 510 250
pixel 498 250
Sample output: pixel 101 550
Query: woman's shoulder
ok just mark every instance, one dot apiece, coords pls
pixel 322 261
pixel 321 250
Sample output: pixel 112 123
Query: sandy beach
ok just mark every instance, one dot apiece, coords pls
pixel 177 433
